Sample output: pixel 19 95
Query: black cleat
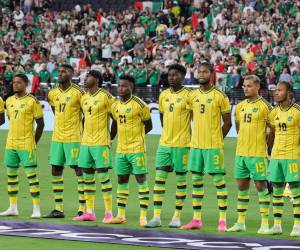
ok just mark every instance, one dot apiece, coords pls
pixel 55 214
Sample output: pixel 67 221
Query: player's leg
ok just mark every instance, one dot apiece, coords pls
pixel 138 163
pixel 295 189
pixel 196 167
pixel 123 171
pixel 102 158
pixel 163 167
pixel 12 161
pixel 57 161
pixel 276 176
pixel 214 165
pixel 80 189
pixel 292 177
pixel 180 162
pixel 242 176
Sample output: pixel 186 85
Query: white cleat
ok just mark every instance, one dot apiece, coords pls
pixel 295 232
pixel 175 223
pixel 10 212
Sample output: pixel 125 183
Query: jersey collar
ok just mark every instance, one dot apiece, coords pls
pixel 127 100
pixel 66 89
pixel 176 92
pixel 207 91
pixel 96 93
pixel 256 100
pixel 20 98
pixel 286 109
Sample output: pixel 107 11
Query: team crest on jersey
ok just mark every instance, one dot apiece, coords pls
pixel 178 100
pixel 255 110
pixel 209 100
pixel 68 98
pixel 290 118
pixel 96 102
pixel 128 110
pixel 22 106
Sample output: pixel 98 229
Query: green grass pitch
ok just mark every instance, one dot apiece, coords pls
pixel 209 216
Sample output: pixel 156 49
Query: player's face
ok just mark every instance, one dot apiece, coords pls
pixel 64 75
pixel 125 88
pixel 174 77
pixel 19 85
pixel 281 93
pixel 90 82
pixel 204 75
pixel 250 88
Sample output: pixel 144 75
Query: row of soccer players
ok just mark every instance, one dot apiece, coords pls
pixel 89 154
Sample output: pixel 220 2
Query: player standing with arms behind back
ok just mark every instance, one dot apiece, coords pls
pixel 172 153
pixel 251 116
pixel 22 110
pixel 94 155
pixel 64 149
pixel 209 105
pixel 132 121
pixel 284 165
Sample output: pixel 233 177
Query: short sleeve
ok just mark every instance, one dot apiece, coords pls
pixel 50 98
pixel 271 117
pixel 1 106
pixel 160 104
pixel 37 110
pixel 146 113
pixel 225 105
pixel 237 112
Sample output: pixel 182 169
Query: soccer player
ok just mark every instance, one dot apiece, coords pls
pixel 172 153
pixel 132 121
pixel 94 155
pixel 22 110
pixel 209 105
pixel 251 116
pixel 284 164
pixel 64 150
pixel 2 117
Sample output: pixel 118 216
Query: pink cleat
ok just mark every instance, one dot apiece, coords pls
pixel 85 217
pixel 107 218
pixel 222 227
pixel 193 224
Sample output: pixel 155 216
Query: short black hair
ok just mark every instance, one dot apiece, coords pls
pixel 67 66
pixel 206 64
pixel 23 77
pixel 128 78
pixel 96 74
pixel 178 67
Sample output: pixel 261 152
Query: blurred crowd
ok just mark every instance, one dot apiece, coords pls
pixel 238 37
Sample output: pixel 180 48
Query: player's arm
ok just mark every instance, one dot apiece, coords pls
pixel 148 125
pixel 161 117
pixel 270 137
pixel 113 128
pixel 39 129
pixel 237 126
pixel 2 118
pixel 226 123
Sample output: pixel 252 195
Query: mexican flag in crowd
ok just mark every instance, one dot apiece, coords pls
pixel 153 6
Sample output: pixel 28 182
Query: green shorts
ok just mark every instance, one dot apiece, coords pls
pixel 15 158
pixel 64 154
pixel 130 164
pixel 255 168
pixel 284 170
pixel 94 157
pixel 176 158
pixel 208 161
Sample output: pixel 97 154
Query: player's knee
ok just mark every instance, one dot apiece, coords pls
pixel 260 185
pixel 218 178
pixel 102 170
pixel 140 178
pixel 88 170
pixel 122 179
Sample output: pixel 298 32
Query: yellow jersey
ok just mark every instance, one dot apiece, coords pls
pixel 21 113
pixel 176 131
pixel 208 106
pixel 1 105
pixel 287 132
pixel 130 117
pixel 68 117
pixel 96 109
pixel 252 118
